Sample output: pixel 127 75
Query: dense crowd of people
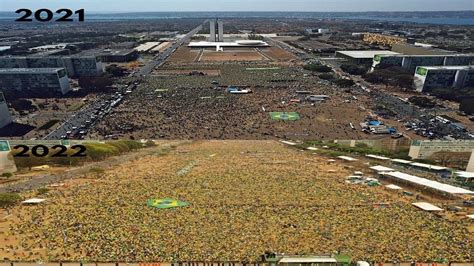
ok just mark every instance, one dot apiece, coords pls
pixel 245 198
pixel 184 106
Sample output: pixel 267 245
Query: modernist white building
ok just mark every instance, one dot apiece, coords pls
pixel 363 56
pixel 428 78
pixel 5 116
pixel 219 46
pixel 212 30
pixel 219 37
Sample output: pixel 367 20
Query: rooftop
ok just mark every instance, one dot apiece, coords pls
pixel 447 67
pixel 347 158
pixel 146 46
pixel 29 70
pixel 377 157
pixel 428 55
pixel 367 54
pixel 463 174
pixel 401 161
pixel 381 168
pixel 426 206
pixel 240 43
pixel 429 166
pixel 428 183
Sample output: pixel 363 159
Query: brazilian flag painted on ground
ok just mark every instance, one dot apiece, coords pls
pixel 285 116
pixel 166 203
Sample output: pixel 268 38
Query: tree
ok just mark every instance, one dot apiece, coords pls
pixel 43 190
pixel 317 68
pixel 7 175
pixel 354 69
pixel 422 101
pixel 8 200
pixel 344 83
pixel 255 37
pixel 116 71
pixel 23 105
pixel 326 76
pixel 395 76
pixel 451 159
pixel 150 143
pixel 467 105
pixel 96 84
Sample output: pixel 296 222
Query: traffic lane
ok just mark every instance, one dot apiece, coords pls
pixel 145 70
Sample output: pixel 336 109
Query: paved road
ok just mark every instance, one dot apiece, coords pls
pixel 160 58
pixel 83 120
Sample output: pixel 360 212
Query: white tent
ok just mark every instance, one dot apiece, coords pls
pixel 466 175
pixel 377 157
pixel 428 183
pixel 347 158
pixel 288 142
pixel 394 187
pixel 429 166
pixel 33 201
pixel 427 206
pixel 381 168
pixel 401 161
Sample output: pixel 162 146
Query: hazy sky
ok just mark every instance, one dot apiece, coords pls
pixel 242 5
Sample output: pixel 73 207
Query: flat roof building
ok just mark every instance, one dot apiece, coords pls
pixel 418 49
pixel 162 47
pixel 34 82
pixel 236 44
pixel 146 47
pixel 423 149
pixel 428 78
pixel 427 183
pixel 5 116
pixel 363 57
pixel 76 66
pixel 410 62
pixel 470 164
pixel 118 55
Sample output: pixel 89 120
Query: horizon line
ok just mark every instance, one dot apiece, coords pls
pixel 253 11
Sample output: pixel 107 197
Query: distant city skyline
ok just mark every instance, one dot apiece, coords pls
pixel 243 5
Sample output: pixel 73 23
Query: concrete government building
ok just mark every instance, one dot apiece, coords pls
pixel 5 116
pixel 428 78
pixel 38 82
pixel 422 149
pixel 410 62
pixel 76 66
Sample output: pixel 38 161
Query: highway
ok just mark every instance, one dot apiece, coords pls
pixel 78 124
pixel 160 58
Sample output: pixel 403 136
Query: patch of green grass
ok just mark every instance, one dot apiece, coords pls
pixel 75 107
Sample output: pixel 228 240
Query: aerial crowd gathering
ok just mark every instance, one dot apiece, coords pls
pixel 185 106
pixel 274 199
